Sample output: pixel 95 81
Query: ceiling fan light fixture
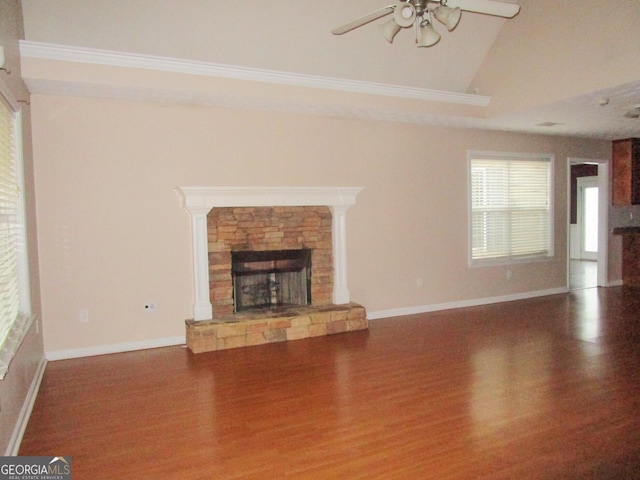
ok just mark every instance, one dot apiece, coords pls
pixel 390 29
pixel 428 36
pixel 404 14
pixel 449 17
pixel 419 13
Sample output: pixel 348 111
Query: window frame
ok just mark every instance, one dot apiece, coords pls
pixel 510 259
pixel 20 326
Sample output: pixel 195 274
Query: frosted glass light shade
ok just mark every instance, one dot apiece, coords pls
pixel 428 36
pixel 449 17
pixel 389 30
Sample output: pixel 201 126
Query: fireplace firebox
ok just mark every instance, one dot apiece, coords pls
pixel 271 279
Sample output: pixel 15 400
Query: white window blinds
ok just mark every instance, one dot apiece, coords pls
pixel 9 294
pixel 511 207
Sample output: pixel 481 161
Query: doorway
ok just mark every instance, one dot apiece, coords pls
pixel 587 217
pixel 587 230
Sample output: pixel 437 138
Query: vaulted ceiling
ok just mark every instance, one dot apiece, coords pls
pixel 567 67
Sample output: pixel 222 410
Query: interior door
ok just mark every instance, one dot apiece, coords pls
pixel 588 217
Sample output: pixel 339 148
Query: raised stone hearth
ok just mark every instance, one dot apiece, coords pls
pixel 277 325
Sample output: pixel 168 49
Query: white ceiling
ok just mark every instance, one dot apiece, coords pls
pixel 290 36
pixel 599 114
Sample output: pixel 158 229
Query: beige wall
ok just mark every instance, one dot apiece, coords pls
pixel 23 369
pixel 113 233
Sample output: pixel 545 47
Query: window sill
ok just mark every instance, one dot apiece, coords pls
pixel 508 261
pixel 11 344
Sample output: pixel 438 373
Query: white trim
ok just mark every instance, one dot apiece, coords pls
pixel 22 253
pixel 603 224
pixel 114 348
pixel 209 197
pixel 25 318
pixel 397 312
pixel 199 200
pixel 67 53
pixel 25 412
pixel 13 340
pixel 339 252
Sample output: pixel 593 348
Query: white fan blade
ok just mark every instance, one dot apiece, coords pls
pixel 488 7
pixel 358 22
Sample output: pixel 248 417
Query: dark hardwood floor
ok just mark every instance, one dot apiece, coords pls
pixel 547 388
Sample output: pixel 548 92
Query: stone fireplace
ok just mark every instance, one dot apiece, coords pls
pixel 271 237
pixel 269 265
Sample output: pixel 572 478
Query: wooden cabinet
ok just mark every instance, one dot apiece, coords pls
pixel 626 172
pixel 630 254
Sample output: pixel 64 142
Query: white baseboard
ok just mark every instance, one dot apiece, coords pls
pixel 397 312
pixel 116 348
pixel 615 283
pixel 25 412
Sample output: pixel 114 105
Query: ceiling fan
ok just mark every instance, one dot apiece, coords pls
pixel 420 13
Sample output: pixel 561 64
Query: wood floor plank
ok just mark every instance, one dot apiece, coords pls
pixel 547 388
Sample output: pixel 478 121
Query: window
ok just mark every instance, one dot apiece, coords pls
pixel 15 310
pixel 510 207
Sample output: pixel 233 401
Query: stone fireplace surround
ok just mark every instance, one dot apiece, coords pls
pixel 243 229
pixel 212 326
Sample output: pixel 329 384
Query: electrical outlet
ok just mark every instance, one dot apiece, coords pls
pixel 150 307
pixel 83 315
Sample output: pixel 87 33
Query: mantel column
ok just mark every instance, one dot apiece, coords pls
pixel 202 309
pixel 339 235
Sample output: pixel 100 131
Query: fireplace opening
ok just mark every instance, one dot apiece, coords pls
pixel 271 278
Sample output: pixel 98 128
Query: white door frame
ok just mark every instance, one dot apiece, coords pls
pixel 603 216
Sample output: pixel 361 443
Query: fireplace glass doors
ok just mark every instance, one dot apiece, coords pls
pixel 271 279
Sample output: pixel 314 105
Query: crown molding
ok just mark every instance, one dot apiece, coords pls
pixel 67 53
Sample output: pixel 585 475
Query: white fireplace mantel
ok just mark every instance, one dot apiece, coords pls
pixel 200 200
